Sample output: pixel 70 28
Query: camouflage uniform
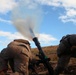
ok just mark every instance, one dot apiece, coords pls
pixel 66 50
pixel 19 51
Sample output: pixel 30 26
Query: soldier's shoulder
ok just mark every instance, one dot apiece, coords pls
pixel 22 41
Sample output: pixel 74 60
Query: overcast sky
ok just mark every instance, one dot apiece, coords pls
pixel 58 19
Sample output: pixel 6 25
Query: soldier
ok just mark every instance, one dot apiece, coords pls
pixel 20 51
pixel 66 50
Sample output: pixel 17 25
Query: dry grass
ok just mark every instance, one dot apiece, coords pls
pixel 49 51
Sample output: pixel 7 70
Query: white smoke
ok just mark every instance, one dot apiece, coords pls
pixel 26 17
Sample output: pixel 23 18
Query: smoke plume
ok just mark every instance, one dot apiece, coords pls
pixel 26 17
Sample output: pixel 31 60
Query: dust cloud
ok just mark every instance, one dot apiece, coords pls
pixel 26 17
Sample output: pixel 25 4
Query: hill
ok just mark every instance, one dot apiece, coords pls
pixel 49 51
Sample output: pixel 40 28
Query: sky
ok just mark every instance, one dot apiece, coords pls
pixel 58 18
